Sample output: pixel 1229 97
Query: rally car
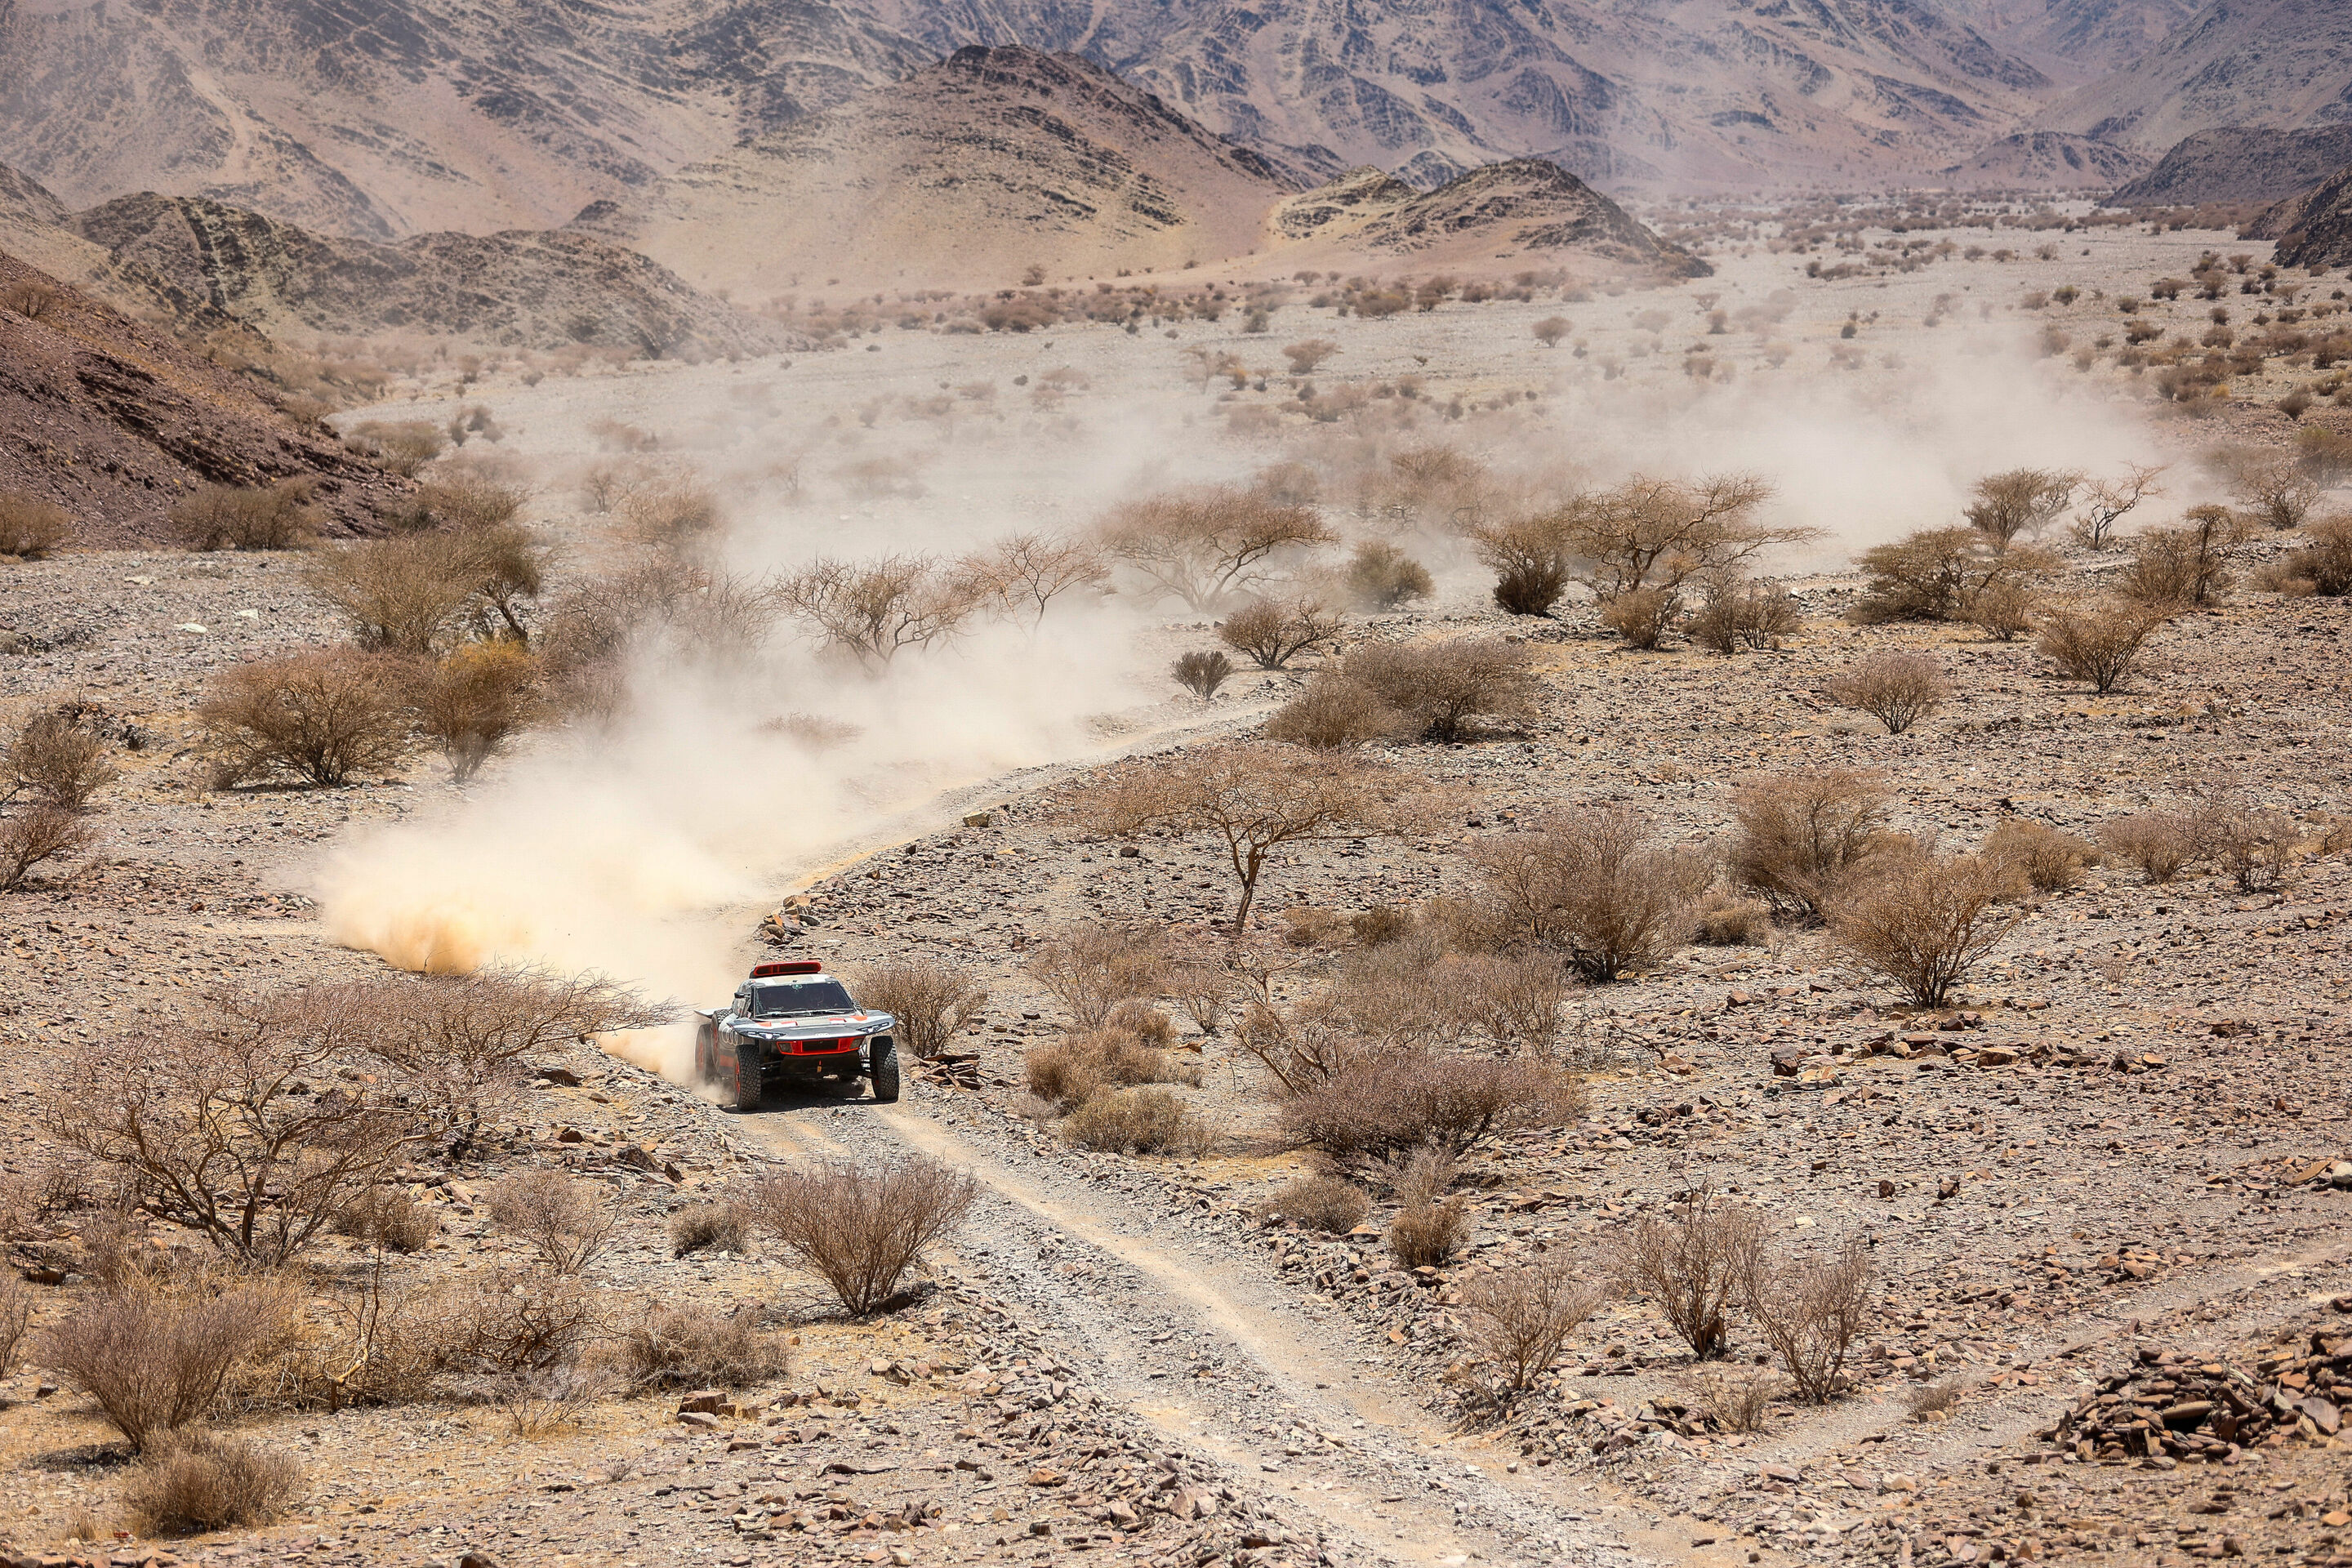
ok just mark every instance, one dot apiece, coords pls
pixel 792 1023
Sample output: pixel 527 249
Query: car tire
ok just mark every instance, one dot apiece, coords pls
pixel 885 1072
pixel 740 1080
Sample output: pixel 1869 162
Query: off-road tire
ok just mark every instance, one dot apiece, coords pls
pixel 885 1072
pixel 738 1083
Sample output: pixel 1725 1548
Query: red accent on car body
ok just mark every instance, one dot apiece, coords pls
pixel 787 966
pixel 823 1047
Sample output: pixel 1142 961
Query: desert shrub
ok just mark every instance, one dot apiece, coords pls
pixel 2160 843
pixel 1326 1203
pixel 1516 998
pixel 59 754
pixel 567 1220
pixel 1307 354
pixel 29 298
pixel 324 715
pixel 2003 610
pixel 1272 634
pixel 2276 489
pixel 1810 1311
pixel 1658 535
pixel 15 1318
pixel 929 1002
pixel 1641 616
pixel 1551 329
pixel 2012 502
pixel 2256 847
pixel 673 514
pixel 1734 615
pixel 1530 564
pixel 1735 923
pixel 506 1322
pixel 724 1225
pixel 860 1229
pixel 1139 1121
pixel 1934 1401
pixel 1207 544
pixel 1446 689
pixel 687 1346
pixel 2100 645
pixel 1073 1070
pixel 1201 673
pixel 1921 922
pixel 2321 566
pixel 29 529
pixel 1739 1399
pixel 1692 1264
pixel 1091 969
pixel 2045 857
pixel 1588 883
pixel 2172 567
pixel 464 500
pixel 2107 501
pixel 1380 1102
pixel 404 595
pixel 1800 834
pixel 1895 688
pixel 539 1402
pixel 475 701
pixel 1381 578
pixel 1937 574
pixel 404 447
pixel 1143 1021
pixel 1521 1316
pixel 35 836
pixel 1336 710
pixel 226 517
pixel 1424 1235
pixel 156 1360
pixel 388 1217
pixel 201 1482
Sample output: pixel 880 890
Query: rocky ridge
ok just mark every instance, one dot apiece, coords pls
pixel 2239 163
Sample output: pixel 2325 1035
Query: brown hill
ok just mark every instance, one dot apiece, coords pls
pixel 1526 204
pixel 2044 159
pixel 2313 228
pixel 2239 163
pixel 522 289
pixel 2280 63
pixel 970 171
pixel 114 421
pixel 2074 40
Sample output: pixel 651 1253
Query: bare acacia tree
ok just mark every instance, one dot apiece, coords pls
pixel 873 610
pixel 1659 533
pixel 1025 573
pixel 1254 798
pixel 2011 502
pixel 2105 504
pixel 1205 545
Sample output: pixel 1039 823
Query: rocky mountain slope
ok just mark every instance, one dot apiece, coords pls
pixel 114 421
pixel 1024 159
pixel 2241 163
pixel 2314 228
pixel 2040 159
pixel 404 116
pixel 2074 39
pixel 2278 63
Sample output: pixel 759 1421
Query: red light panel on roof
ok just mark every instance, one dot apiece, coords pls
pixel 787 966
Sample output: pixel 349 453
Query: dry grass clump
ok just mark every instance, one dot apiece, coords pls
pixel 1139 1121
pixel 1327 1204
pixel 60 756
pixel 567 1220
pixel 724 1227
pixel 1896 688
pixel 1802 834
pixel 692 1346
pixel 1934 1401
pixel 226 517
pixel 1692 1265
pixel 1921 922
pixel 1521 1318
pixel 2160 843
pixel 1073 1070
pixel 929 1002
pixel 2099 645
pixel 324 715
pixel 198 1483
pixel 1381 578
pixel 155 1358
pixel 1273 634
pixel 1380 1102
pixel 387 1218
pixel 1739 1399
pixel 1429 1226
pixel 475 701
pixel 1735 923
pixel 1589 883
pixel 1810 1311
pixel 2047 858
pixel 861 1230
pixel 31 529
pixel 2323 566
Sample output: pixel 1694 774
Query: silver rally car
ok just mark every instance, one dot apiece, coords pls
pixel 792 1023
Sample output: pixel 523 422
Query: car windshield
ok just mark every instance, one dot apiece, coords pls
pixel 800 999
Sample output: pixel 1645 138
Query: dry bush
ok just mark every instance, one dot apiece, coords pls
pixel 1657 534
pixel 1734 615
pixel 2100 645
pixel 1379 1102
pixel 501 1322
pixel 861 1230
pixel 324 715
pixel 1424 1235
pixel 692 1346
pixel 724 1227
pixel 1201 673
pixel 2106 503
pixel 1530 562
pixel 1139 1121
pixel 464 499
pixel 404 595
pixel 59 754
pixel 1254 799
pixel 475 701
pixel 682 612
pixel 35 836
pixel 1326 1203
pixel 2160 843
pixel 1811 1312
pixel 199 1483
pixel 2323 566
pixel 2174 567
pixel 1934 1399
pixel 1734 923
pixel 1273 633
pixel 215 1126
pixel 1300 1047
pixel 1336 712
pixel 2045 857
pixel 2324 453
pixel 1895 688
pixel 224 517
pixel 1307 354
pixel 1206 545
pixel 1384 994
pixel 929 1002
pixel 566 1219
pixel 1588 883
pixel 29 298
pixel 871 611
pixel 404 447
pixel 1071 1071
pixel 2256 847
pixel 1641 616
pixel 1800 834
pixel 1143 1021
pixel 1449 689
pixel 1091 969
pixel 1516 998
pixel 1938 574
pixel 670 515
pixel 1521 1318
pixel 1692 1265
pixel 1381 578
pixel 2019 500
pixel 156 1360
pixel 1921 922
pixel 2003 610
pixel 16 1318
pixel 2274 487
pixel 1026 572
pixel 29 529
pixel 1739 1399
pixel 388 1217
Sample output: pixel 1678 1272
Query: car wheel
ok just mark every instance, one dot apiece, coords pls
pixel 741 1078
pixel 885 1071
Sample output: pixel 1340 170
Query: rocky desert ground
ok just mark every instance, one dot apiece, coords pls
pixel 2098 1189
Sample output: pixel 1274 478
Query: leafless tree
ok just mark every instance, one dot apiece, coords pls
pixel 1028 572
pixel 2018 499
pixel 1692 1265
pixel 1273 632
pixel 873 610
pixel 2106 503
pixel 2276 488
pixel 1661 533
pixel 1205 545
pixel 1811 1312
